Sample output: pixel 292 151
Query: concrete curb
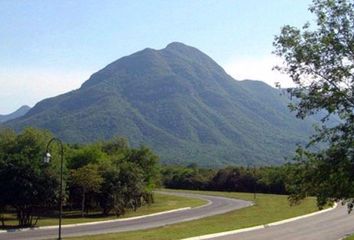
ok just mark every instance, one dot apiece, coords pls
pixel 99 222
pixel 221 234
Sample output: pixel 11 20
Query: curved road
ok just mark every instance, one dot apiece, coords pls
pixel 331 225
pixel 217 205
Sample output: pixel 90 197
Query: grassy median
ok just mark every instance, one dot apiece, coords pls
pixel 268 208
pixel 162 203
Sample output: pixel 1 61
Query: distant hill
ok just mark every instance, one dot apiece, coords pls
pixel 18 113
pixel 181 103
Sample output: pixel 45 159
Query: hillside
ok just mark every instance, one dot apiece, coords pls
pixel 181 103
pixel 18 113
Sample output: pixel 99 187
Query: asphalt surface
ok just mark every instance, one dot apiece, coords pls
pixel 331 225
pixel 217 205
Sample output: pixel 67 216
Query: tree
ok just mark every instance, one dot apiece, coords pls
pixel 235 179
pixel 26 183
pixel 123 187
pixel 190 177
pixel 109 173
pixel 115 145
pixel 129 180
pixel 110 194
pixel 147 161
pixel 320 61
pixel 84 155
pixel 88 179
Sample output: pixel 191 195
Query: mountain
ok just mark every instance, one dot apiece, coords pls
pixel 181 103
pixel 18 113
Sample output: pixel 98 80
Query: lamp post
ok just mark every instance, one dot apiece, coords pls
pixel 47 158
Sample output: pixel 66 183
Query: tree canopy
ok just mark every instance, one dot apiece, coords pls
pixel 25 183
pixel 107 176
pixel 320 61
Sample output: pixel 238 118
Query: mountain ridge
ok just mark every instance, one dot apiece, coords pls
pixel 180 102
pixel 16 114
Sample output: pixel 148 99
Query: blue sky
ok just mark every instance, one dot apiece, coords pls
pixel 50 47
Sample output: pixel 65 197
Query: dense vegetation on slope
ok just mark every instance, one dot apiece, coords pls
pixel 181 103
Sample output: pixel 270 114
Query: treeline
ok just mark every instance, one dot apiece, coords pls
pixel 273 179
pixel 109 176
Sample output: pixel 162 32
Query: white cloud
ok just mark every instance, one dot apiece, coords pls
pixel 29 86
pixel 258 68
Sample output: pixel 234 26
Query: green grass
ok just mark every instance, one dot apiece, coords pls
pixel 349 238
pixel 268 208
pixel 162 203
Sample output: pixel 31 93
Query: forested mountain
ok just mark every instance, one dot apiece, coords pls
pixel 18 113
pixel 181 103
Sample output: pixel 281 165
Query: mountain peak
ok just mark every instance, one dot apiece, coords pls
pixel 174 45
pixel 178 47
pixel 24 108
pixel 16 114
pixel 181 103
pixel 176 55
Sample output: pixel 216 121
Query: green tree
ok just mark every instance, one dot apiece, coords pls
pixel 129 180
pixel 84 155
pixel 88 179
pixel 115 145
pixel 147 161
pixel 26 183
pixel 110 196
pixel 123 187
pixel 273 179
pixel 190 177
pixel 319 59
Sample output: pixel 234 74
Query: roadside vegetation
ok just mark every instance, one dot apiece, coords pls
pixel 271 179
pixel 162 203
pixel 105 178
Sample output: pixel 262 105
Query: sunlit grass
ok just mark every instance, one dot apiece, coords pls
pixel 349 238
pixel 162 203
pixel 268 208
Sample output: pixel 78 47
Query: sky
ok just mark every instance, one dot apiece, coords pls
pixel 50 47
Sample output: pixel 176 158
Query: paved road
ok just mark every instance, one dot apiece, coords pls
pixel 332 225
pixel 217 205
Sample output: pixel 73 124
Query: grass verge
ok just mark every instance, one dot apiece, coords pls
pixel 268 208
pixel 349 238
pixel 162 203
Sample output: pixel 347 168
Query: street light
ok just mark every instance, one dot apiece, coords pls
pixel 46 159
